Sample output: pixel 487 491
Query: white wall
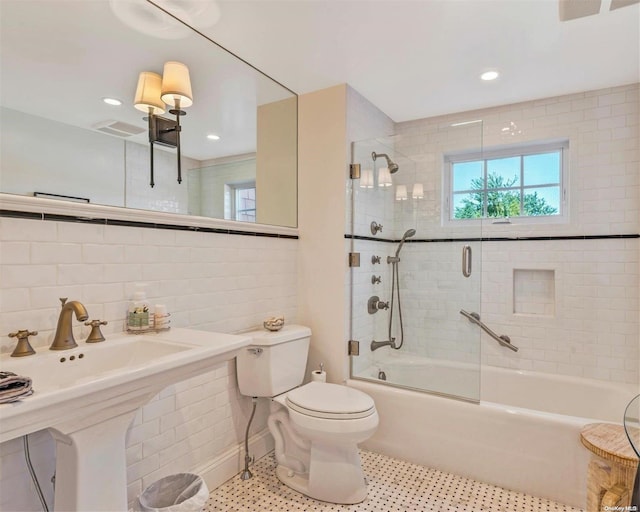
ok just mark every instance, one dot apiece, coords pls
pixel 40 155
pixel 322 261
pixel 208 281
pixel 35 157
pixel 210 198
pixel 329 120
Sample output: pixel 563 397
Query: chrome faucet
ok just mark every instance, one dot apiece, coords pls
pixel 63 338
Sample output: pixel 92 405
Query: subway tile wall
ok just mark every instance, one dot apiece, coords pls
pixel 367 327
pixel 603 131
pixel 208 281
pixel 593 330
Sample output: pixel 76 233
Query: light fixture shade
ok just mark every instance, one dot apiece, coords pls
pixel 417 191
pixel 401 193
pixel 384 177
pixel 366 178
pixel 176 85
pixel 148 93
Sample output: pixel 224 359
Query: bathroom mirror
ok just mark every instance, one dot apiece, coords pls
pixel 60 59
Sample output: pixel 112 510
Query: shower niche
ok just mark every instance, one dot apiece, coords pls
pixel 534 292
pixel 416 338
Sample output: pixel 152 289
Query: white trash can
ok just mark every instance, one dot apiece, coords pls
pixel 182 492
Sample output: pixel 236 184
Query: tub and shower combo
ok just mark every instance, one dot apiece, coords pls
pixel 450 391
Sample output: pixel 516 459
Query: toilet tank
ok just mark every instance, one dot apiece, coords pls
pixel 275 362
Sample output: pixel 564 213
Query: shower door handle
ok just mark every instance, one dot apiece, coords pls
pixel 466 260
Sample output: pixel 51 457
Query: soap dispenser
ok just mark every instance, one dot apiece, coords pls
pixel 138 313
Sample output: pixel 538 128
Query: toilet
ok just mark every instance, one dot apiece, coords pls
pixel 316 427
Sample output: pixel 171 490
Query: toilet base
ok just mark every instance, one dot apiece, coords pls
pixel 335 475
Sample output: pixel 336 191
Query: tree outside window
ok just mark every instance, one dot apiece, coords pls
pixel 525 185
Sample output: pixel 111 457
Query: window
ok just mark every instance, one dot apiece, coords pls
pixel 240 201
pixel 523 181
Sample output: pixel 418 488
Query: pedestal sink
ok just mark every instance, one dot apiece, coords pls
pixel 88 396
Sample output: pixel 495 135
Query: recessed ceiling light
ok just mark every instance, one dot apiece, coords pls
pixel 211 136
pixel 489 75
pixel 112 101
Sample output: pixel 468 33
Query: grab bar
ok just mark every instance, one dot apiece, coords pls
pixel 503 339
pixel 466 261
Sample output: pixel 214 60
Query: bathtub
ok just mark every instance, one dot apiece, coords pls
pixel 523 435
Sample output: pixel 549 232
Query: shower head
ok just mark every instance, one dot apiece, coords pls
pixel 392 166
pixel 407 234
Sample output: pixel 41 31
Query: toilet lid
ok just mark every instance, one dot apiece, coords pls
pixel 330 401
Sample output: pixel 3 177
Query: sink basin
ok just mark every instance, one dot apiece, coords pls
pixel 87 397
pixel 56 370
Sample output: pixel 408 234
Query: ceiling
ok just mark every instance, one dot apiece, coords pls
pixel 422 58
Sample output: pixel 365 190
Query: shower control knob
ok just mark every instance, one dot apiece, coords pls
pixel 376 279
pixel 375 259
pixel 375 227
pixel 374 304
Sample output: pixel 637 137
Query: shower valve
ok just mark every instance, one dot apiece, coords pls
pixel 374 304
pixel 376 279
pixel 375 259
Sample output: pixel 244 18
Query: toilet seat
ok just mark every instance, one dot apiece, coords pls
pixel 330 401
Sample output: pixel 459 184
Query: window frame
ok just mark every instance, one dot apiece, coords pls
pixel 231 194
pixel 512 150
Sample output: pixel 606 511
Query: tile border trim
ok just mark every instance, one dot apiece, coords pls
pixel 137 224
pixel 495 239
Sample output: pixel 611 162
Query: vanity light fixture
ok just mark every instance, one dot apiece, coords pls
pixel 153 92
pixel 384 177
pixel 366 179
pixel 401 193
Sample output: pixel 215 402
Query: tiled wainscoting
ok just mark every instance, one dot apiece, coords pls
pixel 208 281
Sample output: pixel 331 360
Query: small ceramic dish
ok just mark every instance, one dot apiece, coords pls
pixel 274 323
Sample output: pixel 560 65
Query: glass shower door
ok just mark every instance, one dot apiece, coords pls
pixel 420 271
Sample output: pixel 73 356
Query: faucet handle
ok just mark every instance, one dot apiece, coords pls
pixel 23 347
pixel 63 301
pixel 95 335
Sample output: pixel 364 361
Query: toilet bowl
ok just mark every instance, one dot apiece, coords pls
pixel 324 422
pixel 316 427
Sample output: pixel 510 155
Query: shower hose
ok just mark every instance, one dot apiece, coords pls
pixel 395 290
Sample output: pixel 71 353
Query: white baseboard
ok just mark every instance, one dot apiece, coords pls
pixel 231 462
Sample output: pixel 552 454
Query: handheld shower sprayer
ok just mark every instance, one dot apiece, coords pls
pixel 393 167
pixel 407 234
pixel 395 297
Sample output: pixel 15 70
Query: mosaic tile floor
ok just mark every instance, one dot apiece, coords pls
pixel 394 485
